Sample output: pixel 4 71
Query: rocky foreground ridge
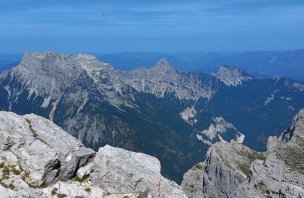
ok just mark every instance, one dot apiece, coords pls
pixel 233 170
pixel 39 159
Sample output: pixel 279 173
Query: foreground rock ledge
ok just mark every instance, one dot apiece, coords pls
pixel 39 159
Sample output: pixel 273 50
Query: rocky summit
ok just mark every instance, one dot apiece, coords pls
pixel 39 159
pixel 232 76
pixel 233 170
pixel 225 168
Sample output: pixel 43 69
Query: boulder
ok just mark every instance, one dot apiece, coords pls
pixel 41 148
pixel 117 170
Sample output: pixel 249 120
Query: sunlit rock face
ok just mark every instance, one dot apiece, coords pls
pixel 39 159
pixel 282 173
pixel 233 170
pixel 232 76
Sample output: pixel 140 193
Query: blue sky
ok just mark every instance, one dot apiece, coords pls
pixel 160 25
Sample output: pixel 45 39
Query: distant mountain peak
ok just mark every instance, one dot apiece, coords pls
pixel 48 73
pixel 229 68
pixel 86 57
pixel 231 75
pixel 163 65
pixel 29 58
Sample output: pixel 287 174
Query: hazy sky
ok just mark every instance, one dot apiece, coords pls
pixel 150 25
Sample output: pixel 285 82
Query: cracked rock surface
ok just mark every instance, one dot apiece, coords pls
pixel 233 170
pixel 39 159
pixel 117 170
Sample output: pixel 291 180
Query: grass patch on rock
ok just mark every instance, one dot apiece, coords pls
pixel 81 179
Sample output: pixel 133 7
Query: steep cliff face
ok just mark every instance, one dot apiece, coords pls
pixel 282 173
pixel 233 170
pixel 225 168
pixel 39 159
pixel 232 76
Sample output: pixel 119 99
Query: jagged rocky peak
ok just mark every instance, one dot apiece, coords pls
pixel 232 76
pixel 45 73
pixel 163 66
pixel 296 131
pixel 233 170
pixel 48 73
pixel 40 60
pixel 282 173
pixel 163 78
pixel 39 159
pixel 225 168
pixel 46 62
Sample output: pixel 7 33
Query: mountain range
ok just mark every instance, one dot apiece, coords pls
pixel 289 63
pixel 161 111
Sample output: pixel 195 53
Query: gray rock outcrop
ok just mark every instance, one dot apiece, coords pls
pixel 40 148
pixel 282 173
pixel 232 76
pixel 117 170
pixel 39 159
pixel 225 168
pixel 233 170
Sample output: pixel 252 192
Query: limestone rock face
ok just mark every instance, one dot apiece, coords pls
pixel 39 159
pixel 233 170
pixel 225 168
pixel 117 170
pixel 49 73
pixel 40 148
pixel 282 173
pixel 232 76
pixel 163 78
